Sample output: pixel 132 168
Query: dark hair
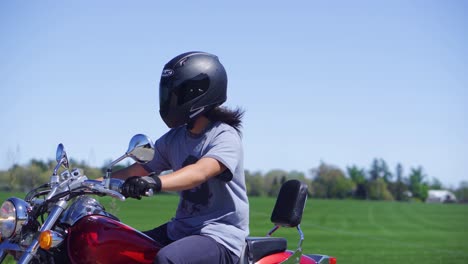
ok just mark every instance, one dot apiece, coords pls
pixel 232 117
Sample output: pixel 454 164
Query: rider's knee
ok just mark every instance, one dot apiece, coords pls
pixel 166 257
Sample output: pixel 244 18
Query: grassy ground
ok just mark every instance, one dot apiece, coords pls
pixel 352 231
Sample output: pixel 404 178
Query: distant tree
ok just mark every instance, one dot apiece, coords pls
pixel 296 175
pixel 330 182
pixel 398 188
pixel 12 179
pixel 358 176
pixel 254 184
pixel 379 169
pixel 417 183
pixel 35 170
pixel 273 181
pixel 283 179
pixel 378 190
pixel 436 184
pixel 386 174
pixel 374 171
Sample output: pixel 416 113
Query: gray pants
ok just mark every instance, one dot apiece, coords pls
pixel 191 249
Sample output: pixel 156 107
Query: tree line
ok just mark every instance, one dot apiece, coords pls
pixel 378 182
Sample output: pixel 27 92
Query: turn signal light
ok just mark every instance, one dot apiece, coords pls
pixel 49 239
pixel 45 240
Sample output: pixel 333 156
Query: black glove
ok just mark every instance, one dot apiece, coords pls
pixel 137 186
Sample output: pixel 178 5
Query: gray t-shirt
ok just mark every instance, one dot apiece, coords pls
pixel 219 207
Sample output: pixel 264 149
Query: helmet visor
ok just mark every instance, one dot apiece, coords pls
pixel 164 96
pixel 192 89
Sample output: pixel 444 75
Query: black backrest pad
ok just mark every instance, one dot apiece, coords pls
pixel 290 204
pixel 259 247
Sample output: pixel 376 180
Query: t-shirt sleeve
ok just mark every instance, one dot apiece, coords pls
pixel 226 148
pixel 160 162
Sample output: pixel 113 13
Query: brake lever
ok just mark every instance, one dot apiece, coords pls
pixel 149 192
pixel 111 193
pixel 98 187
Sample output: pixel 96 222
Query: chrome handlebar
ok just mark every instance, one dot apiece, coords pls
pixel 77 181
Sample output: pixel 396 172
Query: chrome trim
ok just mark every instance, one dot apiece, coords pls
pixel 49 222
pixel 297 254
pixel 22 208
pixel 320 259
pixel 57 238
pixel 81 207
pixel 8 246
pixel 301 235
pixel 3 254
pixel 295 258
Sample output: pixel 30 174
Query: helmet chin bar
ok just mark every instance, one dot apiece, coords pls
pixel 174 117
pixel 197 112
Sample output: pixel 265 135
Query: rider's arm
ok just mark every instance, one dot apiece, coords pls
pixel 132 170
pixel 192 175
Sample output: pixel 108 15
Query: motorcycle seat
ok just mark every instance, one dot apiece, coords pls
pixel 258 247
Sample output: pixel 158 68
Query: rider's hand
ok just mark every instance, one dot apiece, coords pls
pixel 137 186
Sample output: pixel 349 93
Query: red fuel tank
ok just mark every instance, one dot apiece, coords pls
pixel 100 239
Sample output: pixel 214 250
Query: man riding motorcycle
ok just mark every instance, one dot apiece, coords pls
pixel 203 149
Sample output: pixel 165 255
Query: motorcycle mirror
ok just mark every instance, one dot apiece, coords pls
pixel 61 157
pixel 140 149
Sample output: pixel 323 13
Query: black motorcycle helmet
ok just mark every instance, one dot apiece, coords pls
pixel 191 84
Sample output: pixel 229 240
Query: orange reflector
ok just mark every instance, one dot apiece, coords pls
pixel 45 240
pixel 332 260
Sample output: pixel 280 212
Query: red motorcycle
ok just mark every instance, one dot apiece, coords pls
pixel 67 225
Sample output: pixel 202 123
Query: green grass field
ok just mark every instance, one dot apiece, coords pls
pixel 352 231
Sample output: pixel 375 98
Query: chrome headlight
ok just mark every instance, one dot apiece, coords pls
pixel 13 214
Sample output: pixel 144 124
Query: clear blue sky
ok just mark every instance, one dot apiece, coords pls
pixel 341 82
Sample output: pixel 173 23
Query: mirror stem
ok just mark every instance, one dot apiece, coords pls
pixel 106 180
pixel 54 179
pixel 107 177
